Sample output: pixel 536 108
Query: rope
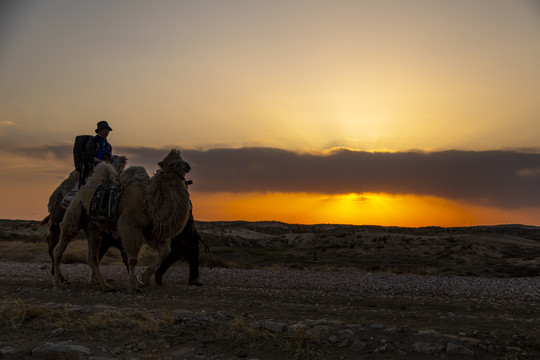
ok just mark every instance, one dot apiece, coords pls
pixel 207 250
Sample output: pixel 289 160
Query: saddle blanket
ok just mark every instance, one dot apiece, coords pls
pixel 105 202
pixel 69 196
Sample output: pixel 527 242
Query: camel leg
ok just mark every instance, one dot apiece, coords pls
pixel 104 247
pixel 132 239
pixel 164 250
pixel 94 241
pixel 178 247
pixel 53 237
pixel 108 241
pixel 69 228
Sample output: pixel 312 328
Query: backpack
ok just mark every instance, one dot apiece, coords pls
pixel 79 150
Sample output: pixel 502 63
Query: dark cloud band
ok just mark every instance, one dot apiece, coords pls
pixel 505 179
pixel 493 178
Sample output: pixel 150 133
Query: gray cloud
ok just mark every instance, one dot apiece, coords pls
pixel 505 179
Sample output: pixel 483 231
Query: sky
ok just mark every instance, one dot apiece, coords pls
pixel 387 112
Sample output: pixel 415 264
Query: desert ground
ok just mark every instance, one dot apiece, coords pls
pixel 284 291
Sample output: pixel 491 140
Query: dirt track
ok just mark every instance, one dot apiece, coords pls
pixel 349 314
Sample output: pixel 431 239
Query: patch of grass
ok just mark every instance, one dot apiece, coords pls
pixel 107 325
pixel 17 313
pixel 304 344
pixel 149 325
pixel 299 344
pixel 19 251
pixel 241 333
pixel 114 326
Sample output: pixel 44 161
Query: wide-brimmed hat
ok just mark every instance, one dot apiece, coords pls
pixel 103 125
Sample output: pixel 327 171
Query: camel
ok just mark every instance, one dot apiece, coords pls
pixel 57 211
pixel 153 209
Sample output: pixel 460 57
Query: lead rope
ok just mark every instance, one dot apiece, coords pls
pixel 207 250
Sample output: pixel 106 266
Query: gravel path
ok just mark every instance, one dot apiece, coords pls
pixel 373 315
pixel 384 285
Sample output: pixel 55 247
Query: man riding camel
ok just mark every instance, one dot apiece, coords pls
pixel 98 149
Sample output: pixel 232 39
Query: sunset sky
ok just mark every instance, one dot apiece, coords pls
pixel 385 112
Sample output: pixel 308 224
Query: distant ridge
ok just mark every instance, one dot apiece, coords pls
pixel 282 224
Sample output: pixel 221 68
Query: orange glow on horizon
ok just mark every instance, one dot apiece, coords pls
pixel 356 209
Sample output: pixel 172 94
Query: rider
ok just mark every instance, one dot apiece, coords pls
pixel 99 150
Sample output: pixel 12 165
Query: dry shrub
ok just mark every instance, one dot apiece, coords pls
pixel 63 318
pixel 17 313
pixel 304 344
pixel 113 325
pixel 300 344
pixel 149 325
pixel 107 325
pixel 239 332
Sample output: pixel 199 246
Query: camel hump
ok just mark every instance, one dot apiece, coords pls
pixel 104 172
pixel 134 174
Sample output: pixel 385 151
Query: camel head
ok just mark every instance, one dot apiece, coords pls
pixel 173 163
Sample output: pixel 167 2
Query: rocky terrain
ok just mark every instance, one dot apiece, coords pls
pixel 280 291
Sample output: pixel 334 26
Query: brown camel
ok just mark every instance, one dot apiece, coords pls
pixel 57 211
pixel 154 209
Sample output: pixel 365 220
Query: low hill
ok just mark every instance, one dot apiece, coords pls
pixel 487 251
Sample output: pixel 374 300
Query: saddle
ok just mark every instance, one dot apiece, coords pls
pixel 105 202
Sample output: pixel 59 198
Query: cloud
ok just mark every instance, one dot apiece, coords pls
pixel 39 152
pixel 493 178
pixel 504 179
pixel 530 172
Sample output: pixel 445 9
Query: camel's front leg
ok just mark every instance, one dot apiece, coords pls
pixel 164 251
pixel 94 240
pixel 131 239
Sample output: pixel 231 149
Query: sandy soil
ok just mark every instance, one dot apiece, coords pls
pixel 309 309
